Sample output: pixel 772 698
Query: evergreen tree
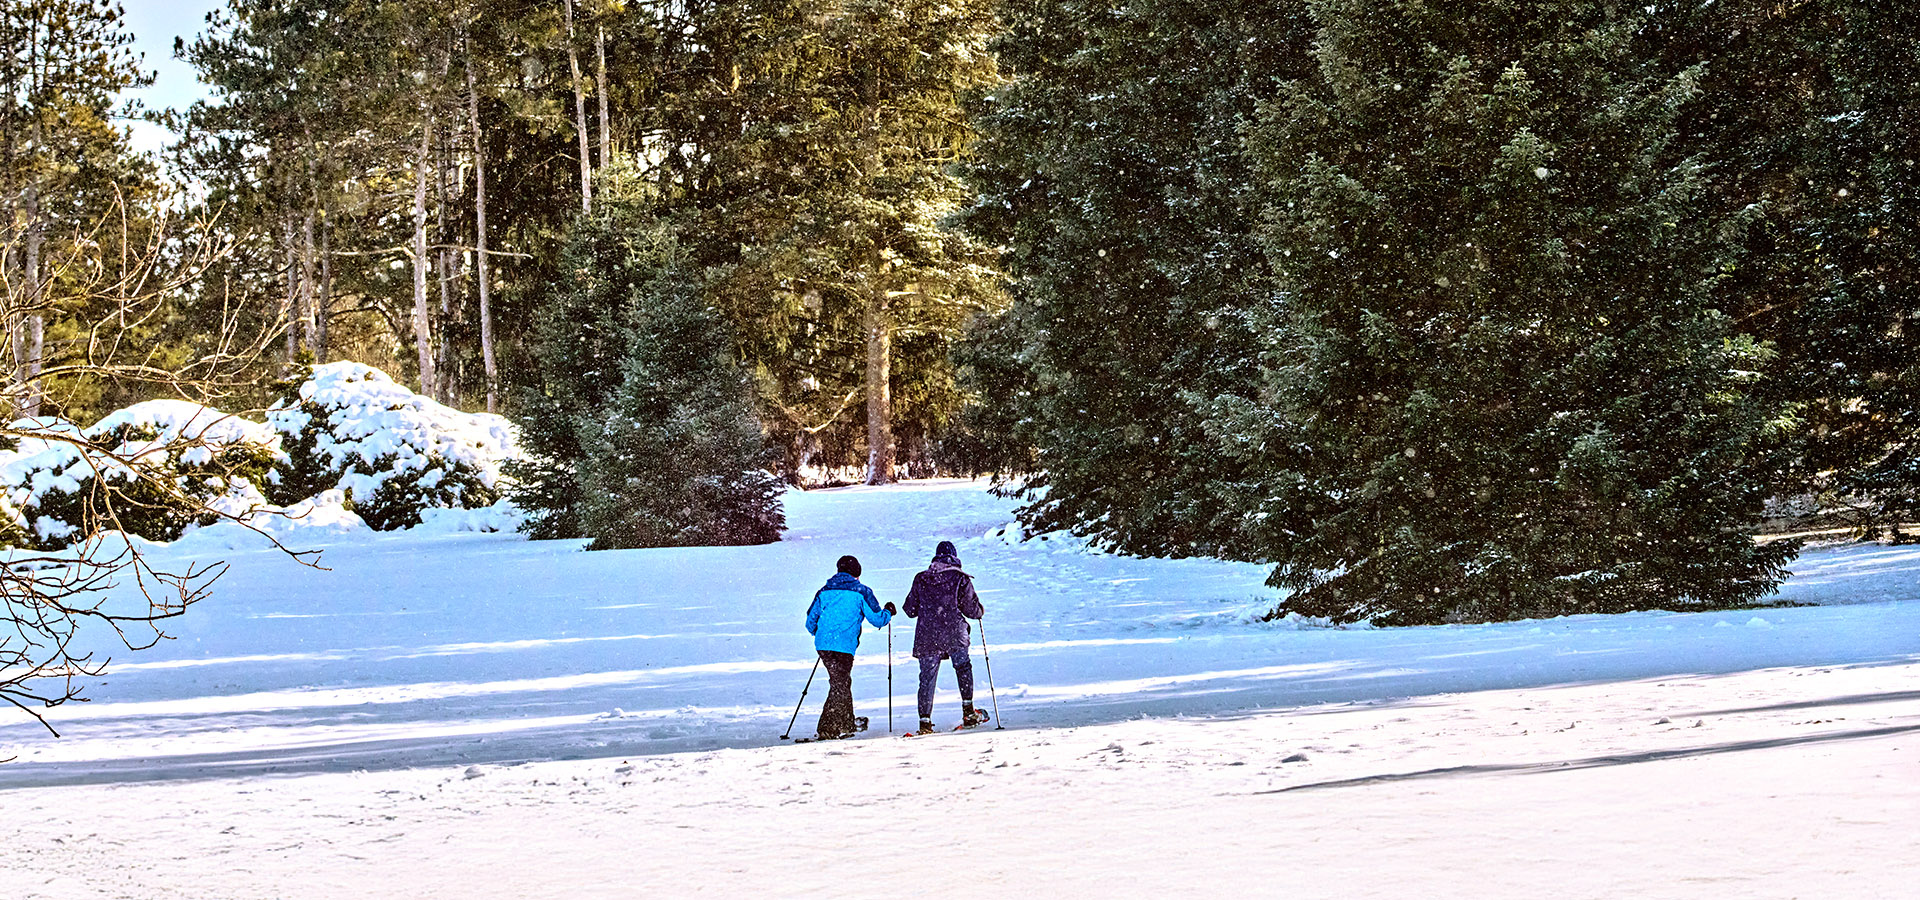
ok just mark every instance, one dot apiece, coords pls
pixel 806 151
pixel 1496 383
pixel 677 457
pixel 76 203
pixel 579 337
pixel 344 142
pixel 1111 171
pixel 1807 113
pixel 643 432
pixel 820 143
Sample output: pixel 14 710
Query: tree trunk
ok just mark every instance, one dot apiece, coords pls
pixel 579 116
pixel 306 299
pixel 444 270
pixel 480 239
pixel 17 335
pixel 32 343
pixel 290 302
pixel 9 246
pixel 36 352
pixel 600 93
pixel 10 276
pixel 879 386
pixel 323 305
pixel 422 321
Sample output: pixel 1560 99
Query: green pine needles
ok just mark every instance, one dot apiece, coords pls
pixel 1113 176
pixel 1496 385
pixel 642 431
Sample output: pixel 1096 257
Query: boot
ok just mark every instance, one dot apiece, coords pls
pixel 926 726
pixel 970 717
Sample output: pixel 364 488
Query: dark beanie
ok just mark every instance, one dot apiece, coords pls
pixel 947 550
pixel 849 565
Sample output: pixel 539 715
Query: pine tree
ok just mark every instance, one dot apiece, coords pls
pixel 343 144
pixel 677 457
pixel 579 337
pixel 72 192
pixel 1496 383
pixel 821 143
pixel 1807 113
pixel 642 433
pixel 1111 171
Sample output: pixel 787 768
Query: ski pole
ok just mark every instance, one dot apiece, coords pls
pixel 997 726
pixel 889 676
pixel 803 697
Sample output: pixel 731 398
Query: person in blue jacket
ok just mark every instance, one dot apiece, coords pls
pixel 834 621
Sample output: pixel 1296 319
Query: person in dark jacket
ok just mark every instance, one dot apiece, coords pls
pixel 941 601
pixel 834 621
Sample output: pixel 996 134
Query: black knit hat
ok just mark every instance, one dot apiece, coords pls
pixel 849 565
pixel 947 550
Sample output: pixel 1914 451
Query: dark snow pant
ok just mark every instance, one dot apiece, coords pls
pixel 930 673
pixel 836 718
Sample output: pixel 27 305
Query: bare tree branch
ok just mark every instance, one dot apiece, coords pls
pixel 103 585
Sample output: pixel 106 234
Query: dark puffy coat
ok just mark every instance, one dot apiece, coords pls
pixel 940 597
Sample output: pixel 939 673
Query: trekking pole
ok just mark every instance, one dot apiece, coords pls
pixel 803 697
pixel 989 658
pixel 889 676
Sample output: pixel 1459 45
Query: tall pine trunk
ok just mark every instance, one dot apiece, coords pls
pixel 10 272
pixel 10 264
pixel 480 238
pixel 306 298
pixel 324 302
pixel 290 301
pixel 30 345
pixel 446 271
pixel 600 93
pixel 422 314
pixel 879 385
pixel 579 116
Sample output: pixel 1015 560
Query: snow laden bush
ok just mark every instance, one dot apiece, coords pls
pixel 392 452
pixel 641 431
pixel 151 470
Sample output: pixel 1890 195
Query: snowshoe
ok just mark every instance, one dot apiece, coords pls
pixel 974 717
pixel 926 727
pixel 824 737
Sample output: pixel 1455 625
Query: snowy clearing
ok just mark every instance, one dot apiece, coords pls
pixel 475 715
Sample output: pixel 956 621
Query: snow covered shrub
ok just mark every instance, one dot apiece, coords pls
pixel 150 470
pixel 642 432
pixel 349 427
pixel 25 437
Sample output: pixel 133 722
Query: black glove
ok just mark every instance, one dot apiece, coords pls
pixel 890 609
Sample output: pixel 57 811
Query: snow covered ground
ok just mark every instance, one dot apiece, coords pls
pixel 478 716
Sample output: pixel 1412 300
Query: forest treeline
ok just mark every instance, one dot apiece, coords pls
pixel 1447 311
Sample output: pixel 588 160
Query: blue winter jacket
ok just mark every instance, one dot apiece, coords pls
pixel 834 618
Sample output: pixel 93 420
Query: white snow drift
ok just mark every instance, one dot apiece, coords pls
pixel 476 715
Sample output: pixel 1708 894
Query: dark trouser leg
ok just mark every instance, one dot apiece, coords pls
pixel 929 673
pixel 836 717
pixel 963 672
